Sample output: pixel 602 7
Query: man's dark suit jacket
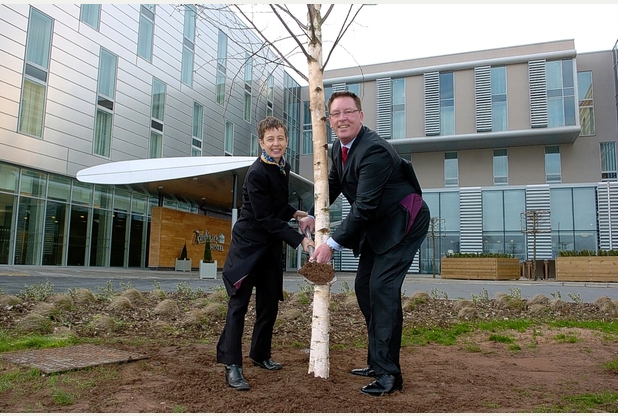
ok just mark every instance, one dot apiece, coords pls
pixel 262 222
pixel 375 180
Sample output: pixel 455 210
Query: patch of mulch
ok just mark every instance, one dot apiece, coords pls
pixel 538 371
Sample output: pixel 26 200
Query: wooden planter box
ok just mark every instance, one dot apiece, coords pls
pixel 481 268
pixel 587 269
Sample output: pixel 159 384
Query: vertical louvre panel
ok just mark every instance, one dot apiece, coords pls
pixel 538 93
pixel 537 199
pixel 348 261
pixel 482 98
pixel 384 116
pixel 432 103
pixel 607 201
pixel 471 220
pixel 336 88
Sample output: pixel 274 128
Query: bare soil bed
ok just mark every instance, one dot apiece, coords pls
pixel 540 369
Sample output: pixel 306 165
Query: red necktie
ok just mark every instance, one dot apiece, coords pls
pixel 344 154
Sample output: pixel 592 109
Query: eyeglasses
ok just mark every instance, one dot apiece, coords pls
pixel 346 113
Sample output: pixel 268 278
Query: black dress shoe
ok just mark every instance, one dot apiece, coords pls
pixel 268 364
pixel 384 384
pixel 234 377
pixel 364 372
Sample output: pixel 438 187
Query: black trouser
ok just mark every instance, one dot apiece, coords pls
pixel 267 289
pixel 378 291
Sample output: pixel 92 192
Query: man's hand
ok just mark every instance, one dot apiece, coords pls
pixel 322 254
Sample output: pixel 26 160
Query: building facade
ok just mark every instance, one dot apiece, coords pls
pixel 84 85
pixel 515 148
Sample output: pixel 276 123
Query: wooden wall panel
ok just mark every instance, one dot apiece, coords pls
pixel 171 229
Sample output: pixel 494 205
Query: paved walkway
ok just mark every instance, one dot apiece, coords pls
pixel 14 279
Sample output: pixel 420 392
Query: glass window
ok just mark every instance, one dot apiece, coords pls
pixel 451 169
pixel 198 125
pixel 158 100
pixel 38 43
pixel 33 183
pixel 189 26
pixel 145 34
pixel 107 74
pixel 254 145
pixel 247 107
pixel 53 240
pixel 229 138
pixel 30 224
pixel 493 211
pixel 498 99
pixel 608 160
pixel 221 67
pixel 271 95
pixel 103 196
pixel 9 177
pixel 90 14
pixel 101 237
pixel 59 188
pixel 156 145
pixel 187 66
pixel 38 51
pixel 122 199
pixel 560 93
pixel 82 193
pixel 32 108
pixel 501 167
pixel 399 108
pixel 553 171
pixel 586 103
pixel 103 133
pixel 7 206
pixel 307 130
pixel 447 104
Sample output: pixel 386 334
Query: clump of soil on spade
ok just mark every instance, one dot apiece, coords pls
pixel 317 273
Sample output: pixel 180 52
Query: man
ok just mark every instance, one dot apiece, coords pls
pixel 387 223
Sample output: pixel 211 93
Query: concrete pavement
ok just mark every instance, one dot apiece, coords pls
pixel 14 279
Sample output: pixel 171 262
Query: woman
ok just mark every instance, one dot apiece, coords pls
pixel 254 259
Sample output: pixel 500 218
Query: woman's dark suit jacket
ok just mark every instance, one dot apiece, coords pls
pixel 375 180
pixel 262 223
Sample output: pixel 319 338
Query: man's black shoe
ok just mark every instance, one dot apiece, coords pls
pixel 385 384
pixel 234 377
pixel 364 372
pixel 268 364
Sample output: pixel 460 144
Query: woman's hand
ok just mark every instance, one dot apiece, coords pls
pixel 307 242
pixel 299 214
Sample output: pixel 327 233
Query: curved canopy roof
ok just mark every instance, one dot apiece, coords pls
pixel 207 180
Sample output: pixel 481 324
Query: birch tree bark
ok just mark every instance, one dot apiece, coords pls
pixel 320 327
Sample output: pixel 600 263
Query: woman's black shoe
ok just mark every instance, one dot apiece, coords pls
pixel 268 364
pixel 364 372
pixel 234 377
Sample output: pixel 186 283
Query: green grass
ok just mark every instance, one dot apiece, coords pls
pixel 605 327
pixel 520 325
pixel 501 338
pixel 568 338
pixel 15 343
pixel 11 379
pixel 63 398
pixel 584 403
pixel 612 365
pixel 442 336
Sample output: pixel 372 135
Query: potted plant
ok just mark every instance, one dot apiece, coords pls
pixel 182 263
pixel 208 266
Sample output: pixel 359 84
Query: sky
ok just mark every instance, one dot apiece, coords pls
pixel 395 32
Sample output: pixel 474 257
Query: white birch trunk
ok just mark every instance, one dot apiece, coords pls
pixel 320 325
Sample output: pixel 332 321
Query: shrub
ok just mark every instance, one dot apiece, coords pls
pixel 481 255
pixel 587 253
